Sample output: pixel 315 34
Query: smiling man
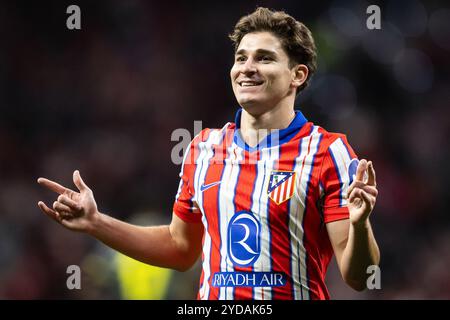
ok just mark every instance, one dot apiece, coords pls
pixel 265 200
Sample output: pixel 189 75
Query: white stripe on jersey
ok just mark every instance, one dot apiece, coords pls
pixel 275 195
pixel 202 164
pixel 297 210
pixel 342 158
pixel 283 185
pixel 289 184
pixel 260 208
pixel 226 210
pixel 274 155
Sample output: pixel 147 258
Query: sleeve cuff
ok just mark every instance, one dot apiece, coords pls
pixel 189 217
pixel 335 214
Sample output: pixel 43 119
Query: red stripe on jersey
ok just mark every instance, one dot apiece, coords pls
pixel 280 244
pixel 183 206
pixel 332 210
pixel 314 232
pixel 211 207
pixel 331 178
pixel 317 266
pixel 243 201
pixel 316 236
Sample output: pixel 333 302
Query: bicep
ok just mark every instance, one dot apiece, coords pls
pixel 338 234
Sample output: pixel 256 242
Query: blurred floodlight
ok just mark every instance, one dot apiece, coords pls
pixel 414 71
pixel 383 45
pixel 409 16
pixel 335 95
pixel 439 28
pixel 347 22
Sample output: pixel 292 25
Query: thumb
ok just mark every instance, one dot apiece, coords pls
pixel 79 182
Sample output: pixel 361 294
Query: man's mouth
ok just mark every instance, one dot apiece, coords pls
pixel 247 83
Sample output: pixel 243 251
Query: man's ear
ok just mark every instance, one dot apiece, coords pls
pixel 299 75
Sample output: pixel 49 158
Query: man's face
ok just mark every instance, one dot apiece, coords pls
pixel 261 76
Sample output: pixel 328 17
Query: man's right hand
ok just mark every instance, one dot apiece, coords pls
pixel 74 210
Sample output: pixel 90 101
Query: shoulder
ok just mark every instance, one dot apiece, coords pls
pixel 329 137
pixel 212 134
pixel 336 147
pixel 329 146
pixel 331 140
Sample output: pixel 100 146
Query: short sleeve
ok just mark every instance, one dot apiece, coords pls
pixel 338 168
pixel 185 206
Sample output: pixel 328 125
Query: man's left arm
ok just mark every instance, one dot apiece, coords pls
pixel 352 239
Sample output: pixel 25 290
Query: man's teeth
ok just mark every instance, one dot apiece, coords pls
pixel 249 84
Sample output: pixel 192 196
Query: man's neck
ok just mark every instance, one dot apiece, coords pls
pixel 256 128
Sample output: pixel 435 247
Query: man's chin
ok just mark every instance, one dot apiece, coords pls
pixel 249 103
pixel 253 107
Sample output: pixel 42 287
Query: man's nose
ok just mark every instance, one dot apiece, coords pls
pixel 249 66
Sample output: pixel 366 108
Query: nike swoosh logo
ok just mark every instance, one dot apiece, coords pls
pixel 207 186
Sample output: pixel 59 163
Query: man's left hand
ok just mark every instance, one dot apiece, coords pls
pixel 362 193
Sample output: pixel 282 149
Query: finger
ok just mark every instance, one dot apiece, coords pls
pixel 79 181
pixel 362 186
pixel 49 212
pixel 373 191
pixel 362 167
pixel 70 224
pixel 65 215
pixel 69 202
pixel 355 184
pixel 372 177
pixel 354 194
pixel 368 200
pixel 56 187
pixel 59 207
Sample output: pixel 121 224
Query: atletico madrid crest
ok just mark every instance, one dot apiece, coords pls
pixel 281 186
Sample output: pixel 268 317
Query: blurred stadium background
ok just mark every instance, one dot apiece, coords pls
pixel 106 99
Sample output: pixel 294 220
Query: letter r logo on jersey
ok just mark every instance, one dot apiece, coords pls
pixel 243 239
pixel 352 166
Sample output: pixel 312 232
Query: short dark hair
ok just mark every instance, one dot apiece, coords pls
pixel 295 37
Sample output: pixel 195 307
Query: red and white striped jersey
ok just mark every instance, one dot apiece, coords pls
pixel 264 209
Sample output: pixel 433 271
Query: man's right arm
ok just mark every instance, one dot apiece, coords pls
pixel 175 246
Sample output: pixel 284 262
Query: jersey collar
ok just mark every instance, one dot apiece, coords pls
pixel 284 134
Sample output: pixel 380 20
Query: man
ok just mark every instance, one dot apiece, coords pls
pixel 267 209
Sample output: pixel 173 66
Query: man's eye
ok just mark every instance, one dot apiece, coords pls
pixel 240 59
pixel 266 58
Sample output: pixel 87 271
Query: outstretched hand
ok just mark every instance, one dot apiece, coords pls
pixel 74 210
pixel 362 193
